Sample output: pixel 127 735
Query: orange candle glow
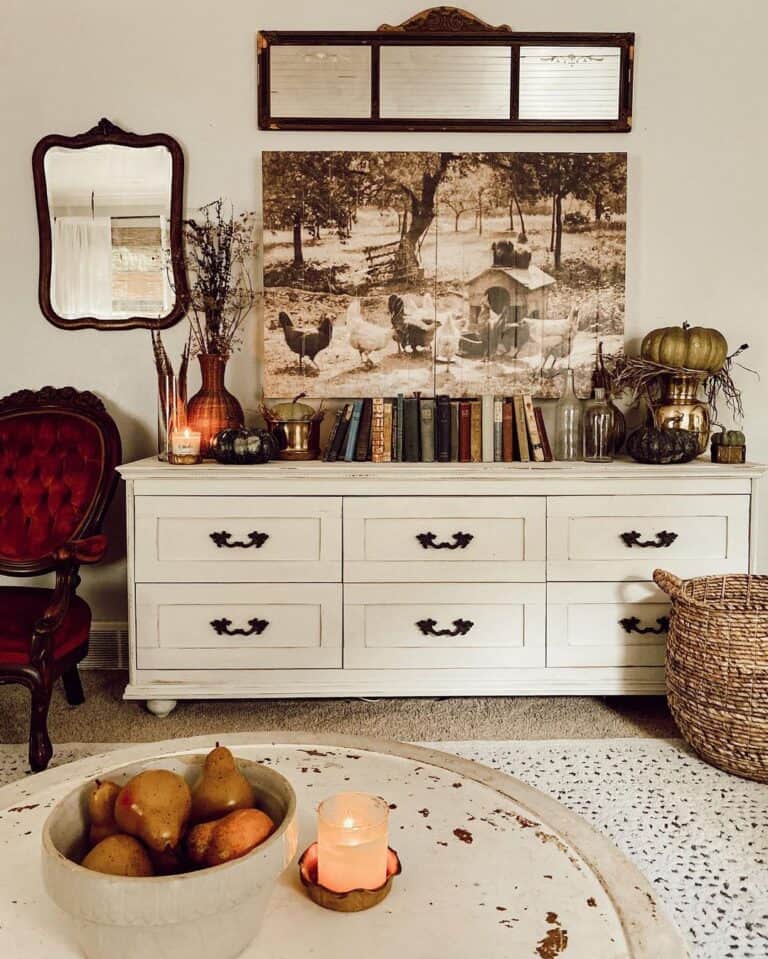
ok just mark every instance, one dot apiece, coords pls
pixel 352 842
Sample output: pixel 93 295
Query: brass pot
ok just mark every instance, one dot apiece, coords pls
pixel 296 428
pixel 297 439
pixel 681 409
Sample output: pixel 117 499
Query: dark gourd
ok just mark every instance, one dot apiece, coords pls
pixel 243 447
pixel 660 446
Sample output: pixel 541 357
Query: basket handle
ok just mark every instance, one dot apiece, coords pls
pixel 669 583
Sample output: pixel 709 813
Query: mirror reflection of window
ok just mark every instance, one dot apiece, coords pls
pixel 109 208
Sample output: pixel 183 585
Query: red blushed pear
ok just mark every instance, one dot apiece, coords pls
pixel 154 806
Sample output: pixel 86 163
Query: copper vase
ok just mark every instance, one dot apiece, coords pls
pixel 213 408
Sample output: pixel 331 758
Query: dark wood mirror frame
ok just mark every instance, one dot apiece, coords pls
pixel 445 26
pixel 106 132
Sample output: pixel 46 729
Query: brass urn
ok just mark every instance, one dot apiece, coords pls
pixel 681 408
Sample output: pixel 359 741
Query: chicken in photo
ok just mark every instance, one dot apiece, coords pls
pixel 364 336
pixel 306 344
pixel 413 326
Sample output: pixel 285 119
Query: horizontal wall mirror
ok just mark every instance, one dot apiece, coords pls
pixel 109 209
pixel 445 69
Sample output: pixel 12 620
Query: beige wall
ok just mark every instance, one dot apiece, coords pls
pixel 697 246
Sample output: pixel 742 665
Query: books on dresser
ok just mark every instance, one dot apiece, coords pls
pixel 442 429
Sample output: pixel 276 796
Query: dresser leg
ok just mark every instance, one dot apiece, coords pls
pixel 161 707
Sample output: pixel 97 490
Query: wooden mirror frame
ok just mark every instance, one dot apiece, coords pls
pixel 106 132
pixel 444 26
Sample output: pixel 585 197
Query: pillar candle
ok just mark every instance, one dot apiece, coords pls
pixel 352 842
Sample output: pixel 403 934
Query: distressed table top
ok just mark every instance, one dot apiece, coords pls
pixel 491 867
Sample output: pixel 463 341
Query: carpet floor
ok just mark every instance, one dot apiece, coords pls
pixel 106 717
pixel 699 835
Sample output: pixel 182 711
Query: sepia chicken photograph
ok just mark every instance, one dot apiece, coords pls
pixel 458 273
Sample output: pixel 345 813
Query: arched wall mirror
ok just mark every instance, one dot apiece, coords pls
pixel 109 212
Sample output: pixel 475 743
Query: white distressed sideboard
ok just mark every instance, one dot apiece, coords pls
pixel 341 579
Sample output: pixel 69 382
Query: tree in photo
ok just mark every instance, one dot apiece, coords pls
pixel 308 191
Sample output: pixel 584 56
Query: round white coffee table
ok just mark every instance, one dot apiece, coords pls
pixel 491 867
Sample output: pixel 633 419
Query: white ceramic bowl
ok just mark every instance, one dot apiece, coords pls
pixel 213 913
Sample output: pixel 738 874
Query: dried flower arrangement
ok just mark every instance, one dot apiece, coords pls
pixel 219 254
pixel 643 379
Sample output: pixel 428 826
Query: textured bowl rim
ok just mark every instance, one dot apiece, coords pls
pixel 51 850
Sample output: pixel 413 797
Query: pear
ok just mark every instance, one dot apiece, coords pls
pixel 154 806
pixel 101 811
pixel 220 841
pixel 198 840
pixel 221 788
pixel 119 855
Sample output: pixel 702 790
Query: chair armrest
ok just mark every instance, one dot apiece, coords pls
pixel 66 560
pixel 89 550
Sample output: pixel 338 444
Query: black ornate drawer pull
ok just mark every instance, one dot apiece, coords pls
pixel 632 625
pixel 664 538
pixel 254 539
pixel 255 627
pixel 460 627
pixel 460 541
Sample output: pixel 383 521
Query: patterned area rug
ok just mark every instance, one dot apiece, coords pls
pixel 698 834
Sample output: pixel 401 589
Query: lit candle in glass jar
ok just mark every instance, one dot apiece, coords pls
pixel 185 446
pixel 185 442
pixel 352 842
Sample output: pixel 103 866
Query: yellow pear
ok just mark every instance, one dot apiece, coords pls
pixel 237 834
pixel 101 810
pixel 119 855
pixel 221 788
pixel 154 806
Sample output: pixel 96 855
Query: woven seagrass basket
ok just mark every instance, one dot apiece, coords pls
pixel 717 668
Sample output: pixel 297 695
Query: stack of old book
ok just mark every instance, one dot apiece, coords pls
pixel 417 429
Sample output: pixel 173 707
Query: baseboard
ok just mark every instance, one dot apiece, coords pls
pixel 108 646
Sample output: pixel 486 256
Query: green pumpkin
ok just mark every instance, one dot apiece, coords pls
pixel 729 438
pixel 691 348
pixel 662 447
pixel 243 447
pixel 292 411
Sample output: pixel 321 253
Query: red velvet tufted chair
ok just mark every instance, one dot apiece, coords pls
pixel 58 453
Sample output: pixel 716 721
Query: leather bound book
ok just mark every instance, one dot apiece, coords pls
pixel 332 449
pixel 508 431
pixel 443 429
pixel 377 430
pixel 387 454
pixel 465 431
pixel 498 426
pixel 427 414
pixel 454 431
pixel 350 444
pixel 399 418
pixel 487 427
pixel 521 430
pixel 537 450
pixel 539 414
pixel 364 435
pixel 476 442
pixel 411 446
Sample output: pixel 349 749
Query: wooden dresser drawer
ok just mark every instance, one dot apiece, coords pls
pixel 626 537
pixel 238 539
pixel 606 624
pixel 238 626
pixel 443 539
pixel 409 625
